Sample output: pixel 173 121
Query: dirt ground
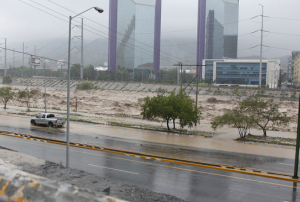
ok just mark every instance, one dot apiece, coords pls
pixel 128 104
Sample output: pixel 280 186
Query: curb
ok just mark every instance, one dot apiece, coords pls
pixel 228 168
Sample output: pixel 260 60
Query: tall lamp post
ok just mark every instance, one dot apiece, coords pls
pixel 100 10
pixel 261 44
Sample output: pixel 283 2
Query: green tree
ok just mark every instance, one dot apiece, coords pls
pixel 263 112
pixel 171 107
pixel 25 96
pixel 7 79
pixel 6 94
pixel 89 73
pixel 122 74
pixel 85 85
pixel 75 71
pixel 234 118
pixel 189 114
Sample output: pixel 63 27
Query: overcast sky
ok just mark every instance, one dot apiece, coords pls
pixel 21 22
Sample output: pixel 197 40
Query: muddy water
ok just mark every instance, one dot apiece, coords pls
pixel 15 122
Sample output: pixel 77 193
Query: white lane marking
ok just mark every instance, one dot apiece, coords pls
pixel 114 169
pixel 286 164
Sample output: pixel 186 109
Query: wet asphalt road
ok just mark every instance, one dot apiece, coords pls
pixel 204 155
pixel 186 182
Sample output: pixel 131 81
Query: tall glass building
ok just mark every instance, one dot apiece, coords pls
pixel 134 34
pixel 217 29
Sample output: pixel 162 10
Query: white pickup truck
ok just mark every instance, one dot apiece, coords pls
pixel 48 120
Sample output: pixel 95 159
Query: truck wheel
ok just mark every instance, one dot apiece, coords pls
pixel 50 124
pixel 32 122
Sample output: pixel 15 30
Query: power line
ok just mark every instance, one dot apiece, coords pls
pixel 279 48
pixel 113 30
pixel 283 18
pixel 134 46
pixel 196 29
pixel 282 33
pixel 149 52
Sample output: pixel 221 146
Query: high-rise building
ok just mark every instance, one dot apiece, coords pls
pixel 134 34
pixel 217 29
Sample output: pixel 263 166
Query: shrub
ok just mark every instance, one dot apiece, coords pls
pixel 85 85
pixel 7 79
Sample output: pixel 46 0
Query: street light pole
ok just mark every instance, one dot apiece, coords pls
pixel 45 87
pixel 261 45
pixel 5 57
pixel 68 94
pixel 81 68
pixel 68 84
pixel 297 146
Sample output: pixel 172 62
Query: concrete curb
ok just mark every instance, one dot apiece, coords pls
pixel 228 168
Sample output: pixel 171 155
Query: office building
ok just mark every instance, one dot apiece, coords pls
pixel 296 75
pixel 291 65
pixel 241 72
pixel 217 29
pixel 134 34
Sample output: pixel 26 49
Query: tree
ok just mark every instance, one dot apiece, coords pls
pixel 89 73
pixel 172 107
pixel 7 79
pixel 189 114
pixel 263 112
pixel 6 94
pixel 75 71
pixel 235 118
pixel 85 85
pixel 25 96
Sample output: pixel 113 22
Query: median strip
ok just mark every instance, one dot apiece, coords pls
pixel 229 168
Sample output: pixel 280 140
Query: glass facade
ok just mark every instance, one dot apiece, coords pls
pixel 209 71
pixel 214 37
pixel 137 25
pixel 231 17
pixel 219 19
pixel 239 73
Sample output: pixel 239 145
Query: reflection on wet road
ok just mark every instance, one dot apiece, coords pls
pixel 186 182
pixel 196 149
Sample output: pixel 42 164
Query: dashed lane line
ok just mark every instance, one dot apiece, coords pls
pixel 229 168
pixel 197 171
pixel 114 169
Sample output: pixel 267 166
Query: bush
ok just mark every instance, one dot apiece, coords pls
pixel 85 85
pixel 7 79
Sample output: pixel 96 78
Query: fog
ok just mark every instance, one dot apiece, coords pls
pixel 42 25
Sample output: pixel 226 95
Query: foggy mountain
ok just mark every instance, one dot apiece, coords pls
pixel 173 50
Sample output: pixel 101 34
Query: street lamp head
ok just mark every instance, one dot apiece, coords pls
pixel 100 10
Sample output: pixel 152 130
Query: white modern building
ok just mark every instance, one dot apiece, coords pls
pixel 241 72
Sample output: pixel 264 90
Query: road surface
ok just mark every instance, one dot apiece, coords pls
pixel 186 182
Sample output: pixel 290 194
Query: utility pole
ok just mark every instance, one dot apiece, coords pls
pixel 23 54
pixel 181 76
pixel 81 68
pixel 261 44
pixel 197 80
pixel 13 58
pixel 297 146
pixel 5 57
pixel 45 87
